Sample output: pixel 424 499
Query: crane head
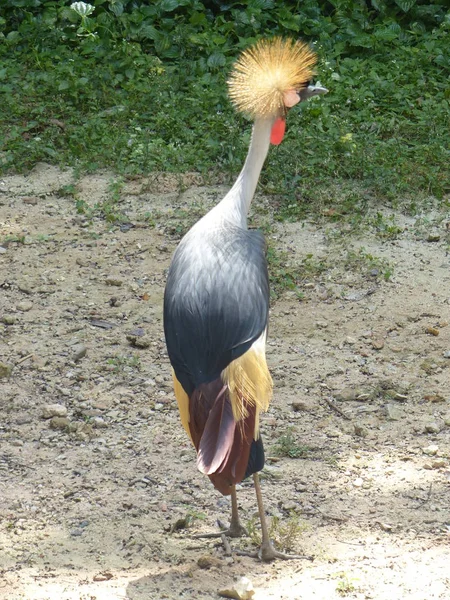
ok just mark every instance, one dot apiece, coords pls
pixel 272 76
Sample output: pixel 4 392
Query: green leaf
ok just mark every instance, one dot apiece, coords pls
pixel 405 5
pixel 216 60
pixel 82 9
pixel 116 8
pixel 169 5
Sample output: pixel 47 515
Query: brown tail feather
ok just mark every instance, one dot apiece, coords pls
pixel 223 446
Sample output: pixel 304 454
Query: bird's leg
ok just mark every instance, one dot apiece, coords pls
pixel 235 529
pixel 267 552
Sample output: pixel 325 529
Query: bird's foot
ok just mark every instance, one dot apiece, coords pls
pixel 235 530
pixel 268 553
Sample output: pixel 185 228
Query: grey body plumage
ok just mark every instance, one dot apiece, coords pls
pixel 216 302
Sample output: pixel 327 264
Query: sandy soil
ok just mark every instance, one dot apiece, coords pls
pixel 91 493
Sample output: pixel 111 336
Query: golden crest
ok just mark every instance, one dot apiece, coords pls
pixel 266 72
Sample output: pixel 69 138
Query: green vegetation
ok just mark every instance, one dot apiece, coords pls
pixel 287 445
pixel 286 534
pixel 141 86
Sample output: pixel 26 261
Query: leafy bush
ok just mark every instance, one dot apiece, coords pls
pixel 140 86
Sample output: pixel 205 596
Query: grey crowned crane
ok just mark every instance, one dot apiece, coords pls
pixel 216 302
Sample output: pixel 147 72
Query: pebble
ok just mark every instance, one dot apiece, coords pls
pixel 53 410
pixel 240 590
pixel 3 250
pixel 60 423
pixel 99 423
pixel 378 344
pixel 393 412
pixel 432 331
pixel 139 342
pixel 11 319
pixel 433 237
pixel 447 420
pixel 78 352
pixel 446 354
pixel 358 482
pixel 24 306
pixel 114 281
pixel 303 405
pixel 5 371
pixel 431 450
pixel 361 431
pixel 321 324
pixel 206 562
pixel 432 427
pixel 76 532
pixel 439 463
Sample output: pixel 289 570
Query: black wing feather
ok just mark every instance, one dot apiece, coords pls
pixel 216 302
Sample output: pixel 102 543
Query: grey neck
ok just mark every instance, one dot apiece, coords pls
pixel 235 206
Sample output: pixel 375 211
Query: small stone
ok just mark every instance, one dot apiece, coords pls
pixel 350 340
pixel 432 331
pixel 79 351
pixel 333 433
pixel 321 324
pixel 431 450
pixel 393 412
pixel 76 532
pixel 446 354
pixel 30 200
pixel 241 590
pixel 377 344
pixel 114 281
pixel 432 427
pixel 24 306
pixel 433 237
pixel 439 463
pixel 99 423
pixel 11 319
pixel 358 482
pixel 3 250
pixel 5 371
pixel 54 410
pixel 139 342
pixel 360 430
pixel 347 394
pixel 447 420
pixel 434 398
pixel 302 405
pixel 105 576
pixel 206 562
pixel 60 423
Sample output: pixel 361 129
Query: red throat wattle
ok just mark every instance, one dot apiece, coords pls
pixel 277 133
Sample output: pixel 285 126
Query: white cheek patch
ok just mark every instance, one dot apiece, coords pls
pixel 291 98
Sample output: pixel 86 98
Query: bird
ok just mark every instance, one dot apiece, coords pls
pixel 216 299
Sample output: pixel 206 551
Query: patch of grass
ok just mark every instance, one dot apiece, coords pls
pixel 367 264
pixel 287 445
pixel 345 585
pixel 285 534
pixel 285 276
pixel 110 207
pixel 121 364
pixel 385 227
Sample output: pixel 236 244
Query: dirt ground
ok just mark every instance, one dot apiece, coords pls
pixel 94 493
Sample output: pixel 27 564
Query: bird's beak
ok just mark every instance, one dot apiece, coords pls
pixel 310 91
